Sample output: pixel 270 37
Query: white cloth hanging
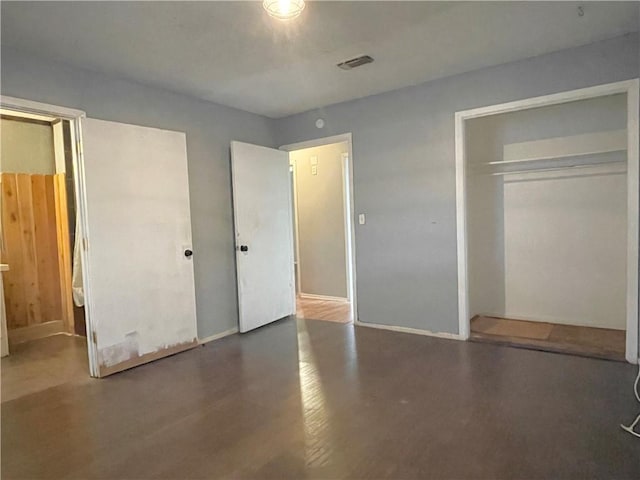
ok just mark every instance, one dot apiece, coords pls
pixel 77 286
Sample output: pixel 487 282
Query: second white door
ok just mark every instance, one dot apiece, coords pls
pixel 264 234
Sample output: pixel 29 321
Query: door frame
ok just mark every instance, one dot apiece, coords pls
pixel 628 87
pixel 347 193
pixel 74 117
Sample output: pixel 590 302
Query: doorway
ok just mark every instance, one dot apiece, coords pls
pixel 134 312
pixel 323 230
pixel 547 211
pixel 42 328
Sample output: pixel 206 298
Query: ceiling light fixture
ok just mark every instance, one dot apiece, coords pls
pixel 283 9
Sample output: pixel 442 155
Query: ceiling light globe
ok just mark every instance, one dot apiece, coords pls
pixel 283 9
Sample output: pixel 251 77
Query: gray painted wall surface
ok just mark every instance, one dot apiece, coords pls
pixel 26 147
pixel 209 128
pixel 404 172
pixel 320 200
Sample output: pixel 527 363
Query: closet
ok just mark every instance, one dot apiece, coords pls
pixel 546 192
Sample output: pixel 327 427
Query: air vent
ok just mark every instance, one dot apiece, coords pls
pixel 355 62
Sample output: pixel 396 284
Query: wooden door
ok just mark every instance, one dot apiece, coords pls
pixel 37 284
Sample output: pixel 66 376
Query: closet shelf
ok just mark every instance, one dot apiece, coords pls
pixel 555 157
pixel 563 148
pixel 564 167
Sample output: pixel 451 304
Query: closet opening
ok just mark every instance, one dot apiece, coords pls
pixel 321 186
pixel 43 328
pixel 548 222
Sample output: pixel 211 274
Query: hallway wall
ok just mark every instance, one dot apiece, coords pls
pixel 321 218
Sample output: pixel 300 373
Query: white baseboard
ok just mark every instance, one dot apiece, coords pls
pixel 312 296
pixel 415 331
pixel 218 336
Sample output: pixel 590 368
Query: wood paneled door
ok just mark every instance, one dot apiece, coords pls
pixel 35 244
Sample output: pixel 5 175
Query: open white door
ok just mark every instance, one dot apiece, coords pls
pixel 264 234
pixel 139 284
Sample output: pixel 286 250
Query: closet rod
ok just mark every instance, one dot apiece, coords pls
pixel 552 169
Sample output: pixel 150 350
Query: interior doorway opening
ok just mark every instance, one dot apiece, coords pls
pixel 321 184
pixel 41 322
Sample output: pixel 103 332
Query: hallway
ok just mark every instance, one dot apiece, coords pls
pixel 328 310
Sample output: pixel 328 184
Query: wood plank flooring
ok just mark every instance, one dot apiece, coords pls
pixel 306 399
pixel 329 310
pixel 591 342
pixel 45 363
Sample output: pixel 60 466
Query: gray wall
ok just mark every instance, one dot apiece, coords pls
pixel 321 234
pixel 209 128
pixel 26 147
pixel 404 175
pixel 404 172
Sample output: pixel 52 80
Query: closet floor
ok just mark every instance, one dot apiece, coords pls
pixel 584 341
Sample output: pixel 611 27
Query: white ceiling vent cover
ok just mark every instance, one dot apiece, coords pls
pixel 355 62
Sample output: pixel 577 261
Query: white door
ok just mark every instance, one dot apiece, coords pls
pixel 264 234
pixel 139 282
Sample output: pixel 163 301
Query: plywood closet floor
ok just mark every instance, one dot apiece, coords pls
pixel 328 310
pixel 584 341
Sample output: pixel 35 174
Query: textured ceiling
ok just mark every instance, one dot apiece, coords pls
pixel 234 54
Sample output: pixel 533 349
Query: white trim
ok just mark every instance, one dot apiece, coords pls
pixel 414 331
pixel 554 99
pixel 633 238
pixel 218 336
pixel 350 224
pixel 464 325
pixel 296 231
pixel 27 106
pixel 318 142
pixel 628 87
pixel 329 298
pixel 75 118
pixel 29 116
pixel 348 220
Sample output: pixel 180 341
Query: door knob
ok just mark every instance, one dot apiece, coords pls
pixel 188 253
pixel 244 248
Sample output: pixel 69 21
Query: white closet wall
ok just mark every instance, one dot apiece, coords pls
pixel 550 245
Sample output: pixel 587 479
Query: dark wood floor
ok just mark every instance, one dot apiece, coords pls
pixel 570 339
pixel 312 399
pixel 44 363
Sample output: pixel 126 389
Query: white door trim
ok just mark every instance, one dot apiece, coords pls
pixel 296 231
pixel 628 87
pixel 75 119
pixel 349 219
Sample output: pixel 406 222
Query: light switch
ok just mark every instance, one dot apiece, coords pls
pixel 361 219
pixel 313 160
